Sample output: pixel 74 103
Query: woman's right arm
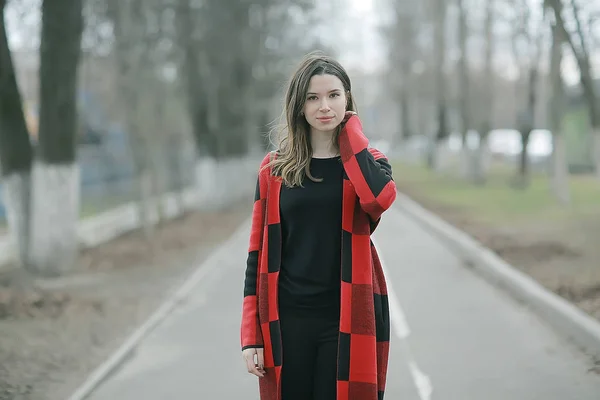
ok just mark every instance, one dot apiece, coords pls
pixel 251 336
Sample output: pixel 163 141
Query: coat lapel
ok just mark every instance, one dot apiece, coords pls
pixel 268 284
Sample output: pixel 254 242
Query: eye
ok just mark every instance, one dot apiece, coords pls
pixel 312 98
pixel 335 95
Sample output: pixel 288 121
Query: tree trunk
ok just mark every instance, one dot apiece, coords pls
pixel 440 87
pixel 403 55
pixel 161 138
pixel 560 172
pixel 582 57
pixel 479 172
pixel 463 66
pixel 523 171
pixel 404 112
pixel 176 166
pixel 194 84
pixel 524 156
pixel 596 149
pixel 480 157
pixel 55 206
pixel 15 150
pixel 441 146
pixel 234 109
pixel 15 147
pixel 130 49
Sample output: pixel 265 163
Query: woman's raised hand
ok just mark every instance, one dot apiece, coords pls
pixel 347 116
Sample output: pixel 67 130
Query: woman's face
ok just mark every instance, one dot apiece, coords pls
pixel 325 103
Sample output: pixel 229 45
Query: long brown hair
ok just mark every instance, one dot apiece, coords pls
pixel 294 152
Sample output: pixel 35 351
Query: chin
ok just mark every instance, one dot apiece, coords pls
pixel 318 126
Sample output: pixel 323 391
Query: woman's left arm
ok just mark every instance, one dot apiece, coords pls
pixel 368 170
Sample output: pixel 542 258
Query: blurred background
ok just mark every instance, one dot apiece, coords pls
pixel 487 107
pixel 157 88
pixel 117 115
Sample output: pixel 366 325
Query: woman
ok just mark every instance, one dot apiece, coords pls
pixel 315 321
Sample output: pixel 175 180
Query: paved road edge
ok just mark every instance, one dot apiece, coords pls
pixel 564 317
pixel 116 359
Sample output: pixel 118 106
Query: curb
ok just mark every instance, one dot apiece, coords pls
pixel 564 317
pixel 104 370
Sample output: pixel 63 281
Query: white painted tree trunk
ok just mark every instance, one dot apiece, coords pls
pixel 223 182
pixel 207 175
pixel 560 170
pixel 54 216
pixel 442 156
pixel 147 208
pixel 157 188
pixel 17 197
pixel 465 163
pixel 480 162
pixel 596 150
pixel 227 189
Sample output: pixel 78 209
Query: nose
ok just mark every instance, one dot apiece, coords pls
pixel 324 105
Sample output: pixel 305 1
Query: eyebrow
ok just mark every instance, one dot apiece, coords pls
pixel 331 91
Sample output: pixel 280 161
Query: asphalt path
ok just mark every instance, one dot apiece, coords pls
pixel 454 336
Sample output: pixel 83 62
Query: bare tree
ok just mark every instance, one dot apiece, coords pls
pixel 229 93
pixel 15 148
pixel 217 81
pixel 464 85
pixel 560 172
pixel 193 67
pixel 140 31
pixel 487 99
pixel 403 52
pixel 526 119
pixel 55 206
pixel 581 50
pixel 440 8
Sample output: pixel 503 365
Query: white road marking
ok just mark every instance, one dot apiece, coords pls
pixel 402 331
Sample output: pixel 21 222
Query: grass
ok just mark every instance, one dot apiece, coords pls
pixel 497 201
pixel 96 206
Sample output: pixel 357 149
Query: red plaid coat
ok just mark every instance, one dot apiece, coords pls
pixel 368 190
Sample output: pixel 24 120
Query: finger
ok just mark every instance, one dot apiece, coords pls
pixel 348 115
pixel 252 368
pixel 260 355
pixel 257 372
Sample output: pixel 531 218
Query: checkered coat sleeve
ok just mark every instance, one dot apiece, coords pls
pixel 364 332
pixel 251 335
pixel 364 336
pixel 368 170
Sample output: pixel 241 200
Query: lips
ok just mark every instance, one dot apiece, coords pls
pixel 325 119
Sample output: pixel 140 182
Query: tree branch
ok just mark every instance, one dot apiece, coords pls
pixel 580 34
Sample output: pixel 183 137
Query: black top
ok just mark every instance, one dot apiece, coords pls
pixel 311 223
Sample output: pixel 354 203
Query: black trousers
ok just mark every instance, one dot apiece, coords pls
pixel 310 345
